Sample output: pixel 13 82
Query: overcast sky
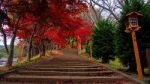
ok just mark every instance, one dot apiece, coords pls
pixel 8 41
pixel 1 41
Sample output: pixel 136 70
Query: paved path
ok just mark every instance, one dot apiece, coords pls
pixel 69 68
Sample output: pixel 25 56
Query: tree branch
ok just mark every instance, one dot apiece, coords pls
pixel 108 9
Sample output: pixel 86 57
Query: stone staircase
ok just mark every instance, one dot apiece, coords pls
pixel 63 70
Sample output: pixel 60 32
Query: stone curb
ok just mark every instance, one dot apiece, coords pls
pixel 123 74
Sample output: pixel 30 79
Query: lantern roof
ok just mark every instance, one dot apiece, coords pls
pixel 133 14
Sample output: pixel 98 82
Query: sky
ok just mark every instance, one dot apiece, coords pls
pixel 1 41
pixel 8 41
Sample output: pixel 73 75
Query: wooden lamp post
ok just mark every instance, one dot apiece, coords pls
pixel 131 27
pixel 79 45
pixel 91 45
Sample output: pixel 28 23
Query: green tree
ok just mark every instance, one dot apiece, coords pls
pixel 103 44
pixel 3 53
pixel 124 46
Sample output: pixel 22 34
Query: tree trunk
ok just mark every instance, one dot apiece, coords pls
pixel 42 47
pixel 34 51
pixel 40 50
pixel 3 19
pixel 4 38
pixel 5 43
pixel 43 50
pixel 51 47
pixel 30 44
pixel 11 52
pixel 29 49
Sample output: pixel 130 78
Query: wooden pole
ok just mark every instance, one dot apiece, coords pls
pixel 91 57
pixel 79 45
pixel 137 57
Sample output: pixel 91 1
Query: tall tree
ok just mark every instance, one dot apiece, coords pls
pixel 3 22
pixel 16 11
pixel 55 22
pixel 35 20
pixel 103 45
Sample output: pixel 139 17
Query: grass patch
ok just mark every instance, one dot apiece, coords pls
pixel 25 62
pixel 116 64
pixel 20 64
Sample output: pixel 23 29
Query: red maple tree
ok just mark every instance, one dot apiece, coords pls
pixel 54 20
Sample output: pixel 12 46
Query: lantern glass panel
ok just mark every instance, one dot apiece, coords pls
pixel 134 21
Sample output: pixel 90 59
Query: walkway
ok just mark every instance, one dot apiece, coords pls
pixel 66 69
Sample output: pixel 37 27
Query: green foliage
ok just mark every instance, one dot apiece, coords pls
pixel 71 41
pixel 25 62
pixel 87 48
pixel 124 46
pixel 3 53
pixel 132 5
pixel 116 64
pixel 145 24
pixel 103 40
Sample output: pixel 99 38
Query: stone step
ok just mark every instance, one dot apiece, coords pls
pixel 59 59
pixel 66 69
pixel 60 82
pixel 58 73
pixel 65 61
pixel 64 66
pixel 71 64
pixel 66 79
pixel 19 83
